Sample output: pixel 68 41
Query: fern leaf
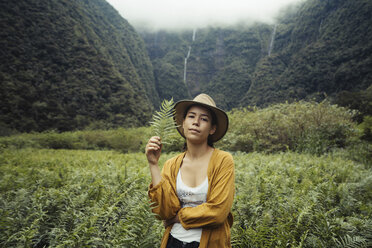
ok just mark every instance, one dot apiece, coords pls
pixel 351 242
pixel 162 121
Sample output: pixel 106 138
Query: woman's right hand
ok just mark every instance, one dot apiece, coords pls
pixel 153 150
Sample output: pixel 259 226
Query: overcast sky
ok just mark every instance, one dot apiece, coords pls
pixel 180 14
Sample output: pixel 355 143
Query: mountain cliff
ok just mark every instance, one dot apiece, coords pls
pixel 322 49
pixel 66 64
pixel 315 50
pixel 72 64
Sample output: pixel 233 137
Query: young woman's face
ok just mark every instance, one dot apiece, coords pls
pixel 197 124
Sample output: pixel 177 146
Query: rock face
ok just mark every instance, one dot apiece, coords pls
pixel 68 64
pixel 317 49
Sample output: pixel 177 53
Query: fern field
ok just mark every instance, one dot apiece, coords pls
pixel 77 198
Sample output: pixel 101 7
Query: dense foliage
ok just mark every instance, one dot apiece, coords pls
pixel 320 48
pixel 167 52
pixel 310 185
pixel 75 199
pixel 315 128
pixel 66 198
pixel 302 126
pixel 122 140
pixel 163 124
pixel 65 64
pixel 221 61
pixel 291 200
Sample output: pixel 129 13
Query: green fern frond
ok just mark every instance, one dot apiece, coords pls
pixel 351 242
pixel 162 121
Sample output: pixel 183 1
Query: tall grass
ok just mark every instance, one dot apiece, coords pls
pixel 305 183
pixel 71 198
pixel 64 198
pixel 292 200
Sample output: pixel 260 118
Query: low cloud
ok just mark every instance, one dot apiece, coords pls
pixel 189 14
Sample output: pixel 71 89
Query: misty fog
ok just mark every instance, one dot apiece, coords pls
pixel 190 14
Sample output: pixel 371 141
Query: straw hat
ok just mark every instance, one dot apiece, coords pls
pixel 207 102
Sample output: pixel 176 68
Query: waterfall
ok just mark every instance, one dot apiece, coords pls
pixel 271 46
pixel 320 26
pixel 185 66
pixel 187 57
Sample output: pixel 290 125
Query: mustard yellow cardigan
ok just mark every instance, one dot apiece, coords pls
pixel 213 216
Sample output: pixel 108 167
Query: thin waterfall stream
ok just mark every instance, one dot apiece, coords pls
pixel 185 66
pixel 186 58
pixel 271 46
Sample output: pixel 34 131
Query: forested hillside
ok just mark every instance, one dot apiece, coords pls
pixel 322 48
pixel 220 61
pixel 317 49
pixel 68 64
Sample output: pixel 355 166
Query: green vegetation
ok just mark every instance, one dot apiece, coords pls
pixel 162 122
pixel 311 127
pixel 221 61
pixel 123 140
pixel 303 168
pixel 292 200
pixel 167 52
pixel 67 64
pixel 61 198
pixel 305 183
pixel 75 198
pixel 361 101
pixel 74 65
pixel 321 50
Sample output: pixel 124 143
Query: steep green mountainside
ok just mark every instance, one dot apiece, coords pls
pixel 166 51
pixel 317 49
pixel 322 49
pixel 220 61
pixel 70 64
pixel 66 63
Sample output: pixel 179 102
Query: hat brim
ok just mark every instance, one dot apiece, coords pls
pixel 222 118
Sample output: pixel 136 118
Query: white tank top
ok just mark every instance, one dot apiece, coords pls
pixel 189 197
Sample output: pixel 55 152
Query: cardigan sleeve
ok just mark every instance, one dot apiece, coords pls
pixel 163 195
pixel 217 208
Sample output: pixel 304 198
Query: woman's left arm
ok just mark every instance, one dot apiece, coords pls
pixel 215 211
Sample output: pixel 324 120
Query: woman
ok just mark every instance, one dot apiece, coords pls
pixel 194 192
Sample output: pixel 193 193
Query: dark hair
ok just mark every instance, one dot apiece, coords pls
pixel 214 122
